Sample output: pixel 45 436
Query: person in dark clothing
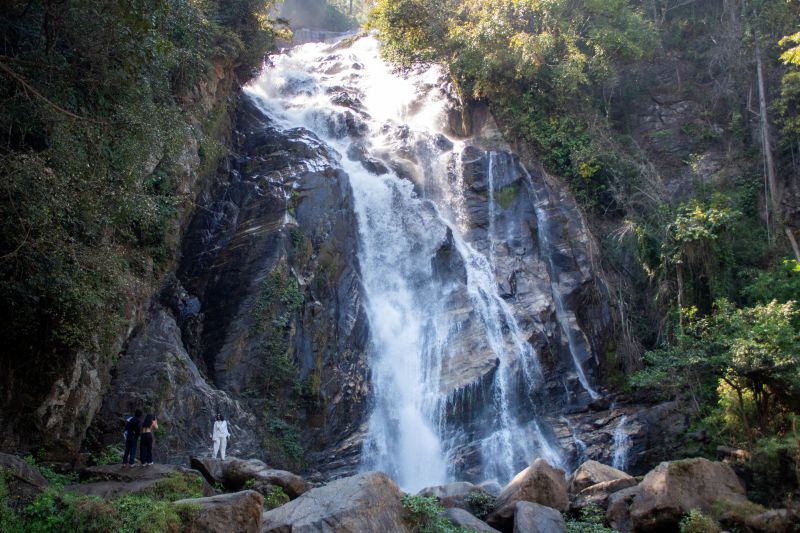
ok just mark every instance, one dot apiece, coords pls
pixel 149 425
pixel 133 428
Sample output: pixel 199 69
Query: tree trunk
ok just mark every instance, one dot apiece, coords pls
pixel 774 192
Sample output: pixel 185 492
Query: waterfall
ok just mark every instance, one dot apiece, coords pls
pixel 577 344
pixel 622 443
pixel 441 335
pixel 580 445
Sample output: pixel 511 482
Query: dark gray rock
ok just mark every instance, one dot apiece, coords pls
pixel 463 518
pixel 531 517
pixel 24 482
pixel 238 511
pixel 235 473
pixel 590 473
pixel 539 483
pixel 366 502
pixel 450 495
pixel 157 375
pixel 598 494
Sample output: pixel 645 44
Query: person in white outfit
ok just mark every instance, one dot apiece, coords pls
pixel 220 437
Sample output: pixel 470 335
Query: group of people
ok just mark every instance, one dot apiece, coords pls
pixel 139 434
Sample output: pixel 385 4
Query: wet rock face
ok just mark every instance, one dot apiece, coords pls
pixel 279 208
pixel 156 374
pixel 648 434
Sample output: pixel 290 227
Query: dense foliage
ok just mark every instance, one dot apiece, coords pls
pixel 99 105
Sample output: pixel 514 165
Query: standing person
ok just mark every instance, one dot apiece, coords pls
pixel 133 428
pixel 220 436
pixel 149 425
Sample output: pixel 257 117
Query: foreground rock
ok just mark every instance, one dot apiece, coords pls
pixel 599 493
pixel 468 521
pixel 591 473
pixel 774 521
pixel 366 502
pixel 450 495
pixel 112 481
pixel 539 483
pixel 670 491
pixel 531 517
pixel 234 473
pixel 24 481
pixel 238 511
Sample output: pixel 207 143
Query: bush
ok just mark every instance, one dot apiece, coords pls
pixel 95 515
pixel 177 486
pixel 276 497
pixel 591 520
pixel 140 513
pixel 480 503
pixel 8 519
pixel 697 522
pixel 427 515
pixel 110 455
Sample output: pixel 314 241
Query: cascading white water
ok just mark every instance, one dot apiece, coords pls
pixel 563 315
pixel 365 112
pixel 622 442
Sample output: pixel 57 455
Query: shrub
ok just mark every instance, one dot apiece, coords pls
pixel 697 522
pixel 480 503
pixel 95 515
pixel 8 519
pixel 177 486
pixel 591 520
pixel 275 498
pixel 427 515
pixel 110 455
pixel 140 513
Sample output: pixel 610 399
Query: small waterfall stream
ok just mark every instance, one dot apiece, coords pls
pixel 441 335
pixel 622 443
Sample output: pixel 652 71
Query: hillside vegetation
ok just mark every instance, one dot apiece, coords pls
pixel 101 110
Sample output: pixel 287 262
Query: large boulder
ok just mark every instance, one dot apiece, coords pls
pixel 112 481
pixel 234 473
pixel 365 502
pixel 468 521
pixel 450 495
pixel 238 511
pixel 539 483
pixel 24 481
pixel 599 493
pixel 774 521
pixel 673 489
pixel 591 473
pixel 531 517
